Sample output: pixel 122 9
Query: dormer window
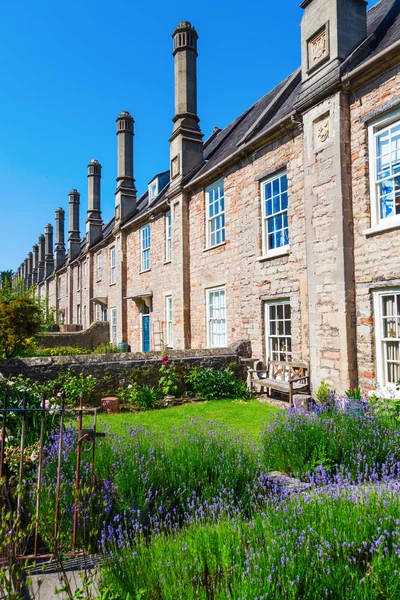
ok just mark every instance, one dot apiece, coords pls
pixel 156 185
pixel 153 190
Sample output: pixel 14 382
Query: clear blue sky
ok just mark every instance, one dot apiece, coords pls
pixel 68 68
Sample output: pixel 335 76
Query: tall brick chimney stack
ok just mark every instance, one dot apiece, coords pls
pixel 186 146
pixel 59 252
pixel 25 277
pixel 94 223
pixel 74 239
pixel 49 257
pixel 30 266
pixel 35 252
pixel 125 195
pixel 41 244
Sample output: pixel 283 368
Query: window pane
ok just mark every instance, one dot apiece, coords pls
pixel 276 218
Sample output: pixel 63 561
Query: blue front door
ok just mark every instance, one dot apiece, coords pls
pixel 145 333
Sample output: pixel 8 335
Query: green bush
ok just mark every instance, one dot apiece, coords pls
pixel 128 394
pixel 107 349
pixel 73 385
pixel 21 320
pixel 61 351
pixel 212 384
pixel 355 440
pixel 322 394
pixel 146 397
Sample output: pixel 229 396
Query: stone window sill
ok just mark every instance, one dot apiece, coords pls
pixel 394 224
pixel 144 271
pixel 115 283
pixel 216 246
pixel 167 262
pixel 275 254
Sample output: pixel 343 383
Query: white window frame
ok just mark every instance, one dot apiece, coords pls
pixel 78 314
pixel 213 195
pixel 99 266
pixel 375 129
pixel 153 190
pixel 168 236
pixel 78 277
pixel 169 325
pixel 381 370
pixel 113 326
pixel 269 336
pixel 283 248
pixel 210 292
pixel 145 264
pixel 98 312
pixel 113 265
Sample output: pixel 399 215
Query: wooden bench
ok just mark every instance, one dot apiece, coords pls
pixel 286 377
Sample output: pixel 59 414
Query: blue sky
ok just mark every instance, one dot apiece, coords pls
pixel 67 69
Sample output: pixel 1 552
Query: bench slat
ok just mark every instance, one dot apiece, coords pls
pixel 276 384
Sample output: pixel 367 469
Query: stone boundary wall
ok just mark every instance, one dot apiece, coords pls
pixel 97 334
pixel 113 370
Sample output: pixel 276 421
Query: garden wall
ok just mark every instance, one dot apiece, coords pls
pixel 95 335
pixel 114 370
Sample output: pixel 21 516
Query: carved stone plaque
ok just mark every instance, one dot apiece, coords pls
pixel 322 130
pixel 175 167
pixel 317 48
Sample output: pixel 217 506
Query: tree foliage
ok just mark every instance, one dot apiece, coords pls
pixel 21 319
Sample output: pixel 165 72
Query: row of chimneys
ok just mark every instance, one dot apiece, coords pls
pixel 186 154
pixel 41 262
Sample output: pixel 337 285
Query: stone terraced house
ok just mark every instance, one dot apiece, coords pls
pixel 283 228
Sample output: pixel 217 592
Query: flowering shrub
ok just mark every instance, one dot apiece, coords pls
pixel 329 545
pixel 348 436
pixel 73 385
pixel 168 378
pixel 212 384
pixel 60 351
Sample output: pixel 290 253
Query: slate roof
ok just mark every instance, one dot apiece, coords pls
pixel 383 29
pixel 383 25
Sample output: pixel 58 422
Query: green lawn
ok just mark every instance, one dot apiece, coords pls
pixel 248 416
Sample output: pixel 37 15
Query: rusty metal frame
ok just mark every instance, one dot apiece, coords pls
pixel 86 436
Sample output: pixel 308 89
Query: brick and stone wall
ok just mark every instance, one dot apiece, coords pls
pixel 376 254
pixel 113 370
pixel 95 335
pixel 250 279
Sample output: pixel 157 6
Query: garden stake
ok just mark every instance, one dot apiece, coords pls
pixel 39 476
pixel 3 446
pixel 22 448
pixel 58 484
pixel 78 473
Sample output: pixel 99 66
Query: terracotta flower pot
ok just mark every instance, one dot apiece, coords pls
pixel 110 404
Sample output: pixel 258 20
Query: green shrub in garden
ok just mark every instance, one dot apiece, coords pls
pixel 356 439
pixel 301 547
pixel 168 381
pixel 213 384
pixel 322 394
pixel 73 385
pixel 107 349
pixel 147 397
pixel 61 351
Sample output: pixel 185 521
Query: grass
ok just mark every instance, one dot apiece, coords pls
pixel 323 546
pixel 248 416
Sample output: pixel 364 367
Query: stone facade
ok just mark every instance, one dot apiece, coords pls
pixel 211 253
